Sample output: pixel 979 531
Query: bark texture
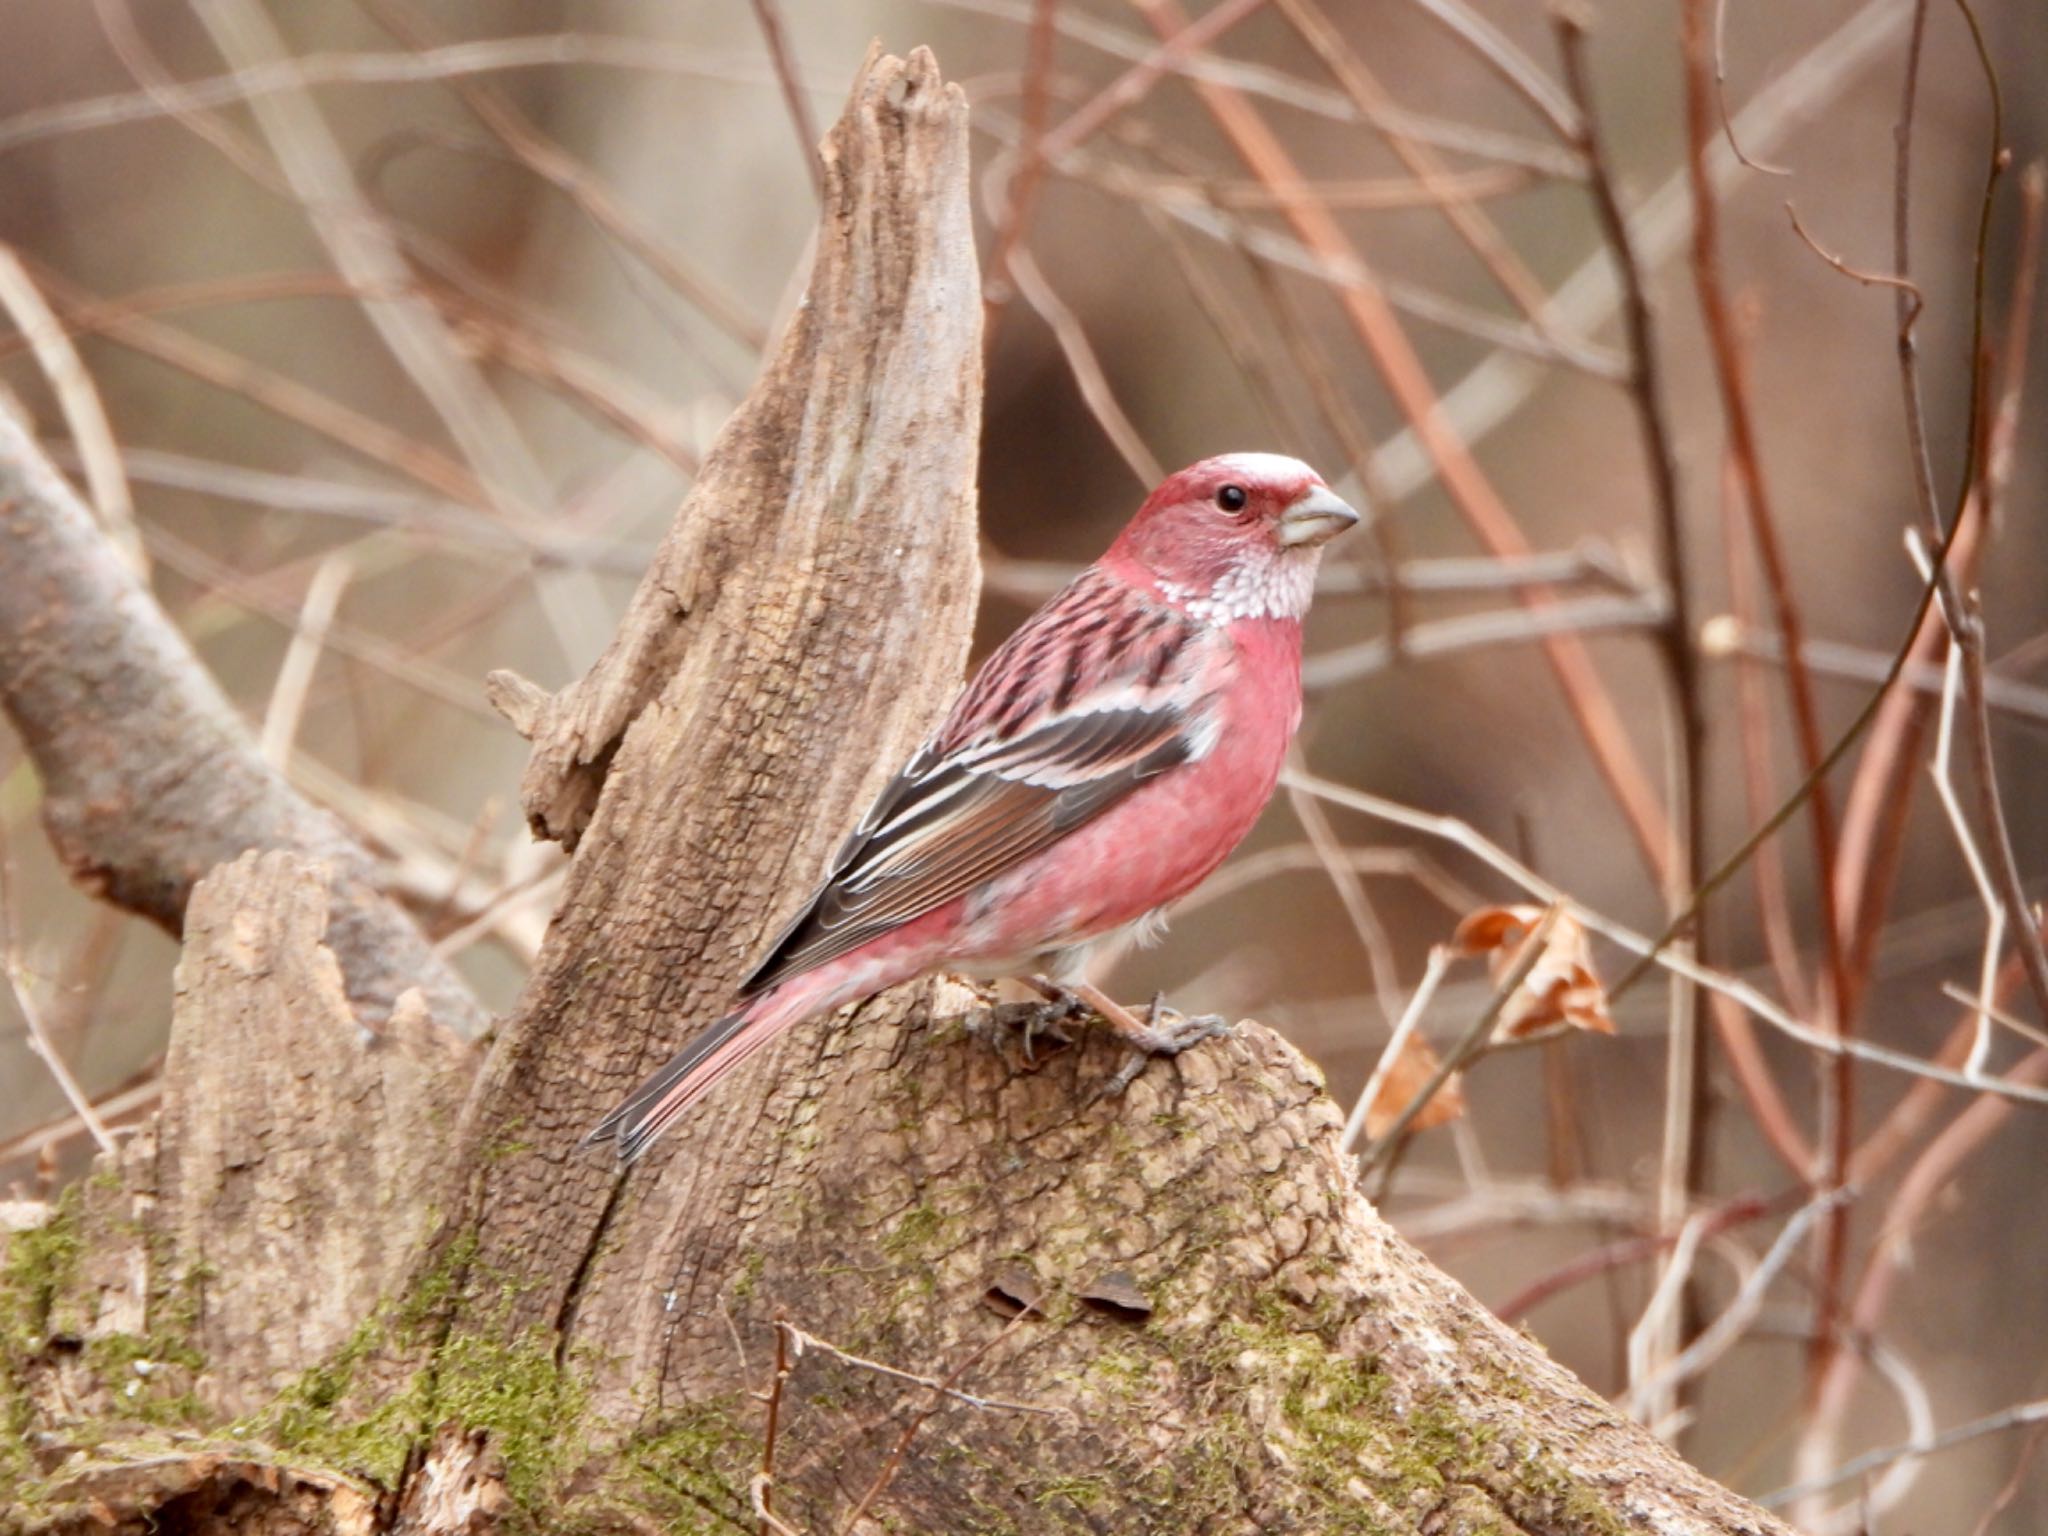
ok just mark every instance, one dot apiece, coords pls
pixel 978 1294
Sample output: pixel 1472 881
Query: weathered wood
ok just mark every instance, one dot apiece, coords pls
pixel 294 1139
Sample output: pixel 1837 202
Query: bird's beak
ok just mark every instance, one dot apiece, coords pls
pixel 1315 517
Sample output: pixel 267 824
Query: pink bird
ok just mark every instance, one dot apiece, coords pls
pixel 1099 766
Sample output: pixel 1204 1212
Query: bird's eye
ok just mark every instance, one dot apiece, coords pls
pixel 1232 498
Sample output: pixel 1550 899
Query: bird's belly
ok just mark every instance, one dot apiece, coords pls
pixel 1120 869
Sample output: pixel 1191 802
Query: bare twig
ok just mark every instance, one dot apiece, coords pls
pixel 365 253
pixel 295 676
pixel 1383 976
pixel 790 79
pixel 2022 1464
pixel 1086 368
pixel 1478 631
pixel 940 1390
pixel 1468 1045
pixel 1635 1250
pixel 1686 1085
pixel 1994 933
pixel 1478 232
pixel 1721 94
pixel 1493 392
pixel 106 479
pixel 1728 1328
pixel 1440 958
pixel 1859 1466
pixel 599 203
pixel 944 1387
pixel 764 1481
pixel 1917 1193
pixel 1401 369
pixel 1287 89
pixel 1754 739
pixel 1966 627
pixel 1021 192
pixel 1515 68
pixel 2006 696
pixel 32 1014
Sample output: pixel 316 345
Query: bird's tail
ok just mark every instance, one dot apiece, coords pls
pixel 698 1067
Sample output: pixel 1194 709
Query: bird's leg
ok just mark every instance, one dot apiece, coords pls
pixel 1160 1032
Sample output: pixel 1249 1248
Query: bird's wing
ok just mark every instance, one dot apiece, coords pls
pixel 1099 692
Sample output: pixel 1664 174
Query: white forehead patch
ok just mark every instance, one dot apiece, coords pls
pixel 1265 466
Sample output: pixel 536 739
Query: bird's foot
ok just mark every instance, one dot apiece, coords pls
pixel 1158 1031
pixel 1167 1031
pixel 1028 1023
pixel 1163 1031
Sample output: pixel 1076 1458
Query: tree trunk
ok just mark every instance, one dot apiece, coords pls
pixel 361 1277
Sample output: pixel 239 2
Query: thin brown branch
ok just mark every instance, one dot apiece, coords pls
pixel 1754 741
pixel 599 202
pixel 1746 450
pixel 1687 1099
pixel 1479 233
pixel 275 392
pixel 941 1391
pixel 764 1482
pixel 1656 951
pixel 1470 1045
pixel 1021 194
pixel 1721 95
pixel 790 78
pixel 1917 1195
pixel 1514 68
pixel 1966 627
pixel 1313 365
pixel 1635 1250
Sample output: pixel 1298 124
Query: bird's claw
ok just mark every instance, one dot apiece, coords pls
pixel 1028 1022
pixel 1166 1032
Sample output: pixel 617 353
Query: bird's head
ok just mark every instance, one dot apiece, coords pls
pixel 1234 537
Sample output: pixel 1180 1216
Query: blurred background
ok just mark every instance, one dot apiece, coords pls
pixel 399 329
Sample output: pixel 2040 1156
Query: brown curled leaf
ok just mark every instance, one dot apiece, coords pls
pixel 1406 1076
pixel 1561 988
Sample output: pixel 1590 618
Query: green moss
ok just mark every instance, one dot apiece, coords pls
pixel 39 1266
pixel 40 1263
pixel 511 1389
pixel 150 1376
pixel 514 1390
pixel 1356 1455
pixel 1086 1493
pixel 693 1472
pixel 438 1288
pixel 310 1416
pixel 918 1234
pixel 749 1274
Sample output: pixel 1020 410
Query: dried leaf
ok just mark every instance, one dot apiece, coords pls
pixel 1407 1074
pixel 1561 988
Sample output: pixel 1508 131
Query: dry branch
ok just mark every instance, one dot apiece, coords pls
pixel 149 777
